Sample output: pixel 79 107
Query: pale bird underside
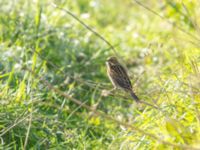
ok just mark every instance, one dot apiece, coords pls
pixel 118 76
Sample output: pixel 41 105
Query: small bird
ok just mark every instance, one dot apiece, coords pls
pixel 119 77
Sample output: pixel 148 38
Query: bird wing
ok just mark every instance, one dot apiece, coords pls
pixel 120 77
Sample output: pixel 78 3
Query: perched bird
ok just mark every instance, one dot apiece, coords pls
pixel 119 77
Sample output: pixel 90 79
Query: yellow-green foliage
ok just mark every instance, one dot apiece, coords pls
pixel 158 42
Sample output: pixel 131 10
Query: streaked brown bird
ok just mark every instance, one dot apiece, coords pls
pixel 119 77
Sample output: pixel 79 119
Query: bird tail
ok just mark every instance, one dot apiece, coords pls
pixel 134 96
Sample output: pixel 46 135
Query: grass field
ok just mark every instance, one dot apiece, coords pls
pixel 53 74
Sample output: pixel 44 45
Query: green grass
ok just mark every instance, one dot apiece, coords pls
pixel 161 54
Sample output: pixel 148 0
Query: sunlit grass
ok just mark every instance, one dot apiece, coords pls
pixel 162 59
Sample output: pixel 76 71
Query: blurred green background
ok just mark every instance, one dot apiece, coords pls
pixel 158 42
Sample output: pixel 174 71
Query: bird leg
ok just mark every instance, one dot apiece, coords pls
pixel 113 89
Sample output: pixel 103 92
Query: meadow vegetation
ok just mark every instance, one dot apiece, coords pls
pixel 52 74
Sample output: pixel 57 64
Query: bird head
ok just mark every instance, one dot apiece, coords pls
pixel 112 61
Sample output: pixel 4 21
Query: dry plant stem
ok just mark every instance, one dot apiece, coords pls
pixel 28 130
pixel 98 113
pixel 16 123
pixel 110 45
pixel 90 84
pixel 87 27
pixel 110 91
pixel 90 29
pixel 81 81
pixel 151 105
pixel 162 17
pixel 140 101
